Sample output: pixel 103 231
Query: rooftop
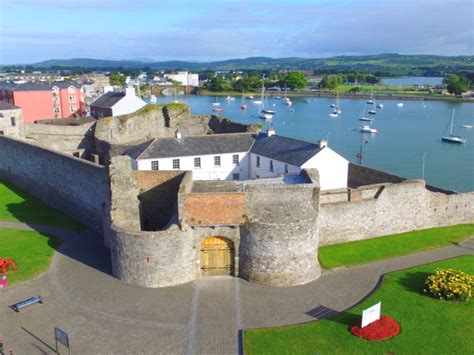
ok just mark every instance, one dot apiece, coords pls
pixel 7 106
pixel 36 86
pixel 108 99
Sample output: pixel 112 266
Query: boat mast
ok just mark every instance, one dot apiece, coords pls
pixel 452 120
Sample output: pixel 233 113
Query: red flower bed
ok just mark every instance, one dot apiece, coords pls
pixel 382 329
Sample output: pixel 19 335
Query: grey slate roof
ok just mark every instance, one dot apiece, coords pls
pixel 37 86
pixel 7 106
pixel 108 100
pixel 197 145
pixel 288 150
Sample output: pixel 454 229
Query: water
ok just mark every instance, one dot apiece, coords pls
pixel 405 133
pixel 413 80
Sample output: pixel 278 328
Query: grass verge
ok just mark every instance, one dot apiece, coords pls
pixel 366 251
pixel 31 251
pixel 428 325
pixel 18 206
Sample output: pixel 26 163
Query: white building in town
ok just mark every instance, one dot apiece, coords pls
pixel 115 103
pixel 242 156
pixel 185 78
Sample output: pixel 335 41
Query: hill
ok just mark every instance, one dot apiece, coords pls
pixel 388 64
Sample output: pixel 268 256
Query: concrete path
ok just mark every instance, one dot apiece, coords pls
pixel 105 316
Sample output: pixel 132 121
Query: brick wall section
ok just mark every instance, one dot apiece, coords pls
pixel 75 186
pixel 147 180
pixel 362 175
pixel 215 208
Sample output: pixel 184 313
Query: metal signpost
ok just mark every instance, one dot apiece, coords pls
pixel 62 337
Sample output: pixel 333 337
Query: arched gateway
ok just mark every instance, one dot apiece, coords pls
pixel 217 256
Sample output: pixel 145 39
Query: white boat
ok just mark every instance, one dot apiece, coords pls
pixel 250 97
pixel 277 97
pixel 337 109
pixel 257 102
pixel 152 99
pixel 368 129
pixel 453 138
pixel 333 115
pixel 271 112
pixel 230 98
pixel 287 101
pixel 372 112
pixel 467 126
pixel 400 104
pixel 371 100
pixel 333 105
pixel 362 116
pixel 266 116
pixel 379 105
pixel 216 103
pixel 262 111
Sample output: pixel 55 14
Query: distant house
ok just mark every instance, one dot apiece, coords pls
pixel 40 101
pixel 114 103
pixel 242 156
pixel 185 78
pixel 11 120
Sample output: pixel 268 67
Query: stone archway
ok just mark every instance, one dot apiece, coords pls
pixel 217 256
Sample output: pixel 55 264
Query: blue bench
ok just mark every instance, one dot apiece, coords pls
pixel 17 306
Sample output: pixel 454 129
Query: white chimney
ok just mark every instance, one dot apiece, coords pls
pixel 270 132
pixel 129 91
pixel 177 134
pixel 323 143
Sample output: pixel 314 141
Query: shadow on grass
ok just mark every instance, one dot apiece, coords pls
pixel 414 281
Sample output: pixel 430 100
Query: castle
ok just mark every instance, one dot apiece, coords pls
pixel 165 227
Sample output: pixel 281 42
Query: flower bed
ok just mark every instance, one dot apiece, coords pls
pixel 382 329
pixel 450 284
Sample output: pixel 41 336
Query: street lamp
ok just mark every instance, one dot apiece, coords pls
pixel 360 155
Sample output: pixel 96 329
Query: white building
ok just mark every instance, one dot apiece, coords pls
pixel 114 103
pixel 185 78
pixel 242 156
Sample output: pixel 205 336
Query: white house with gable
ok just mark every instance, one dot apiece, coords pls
pixel 242 156
pixel 114 103
pixel 185 78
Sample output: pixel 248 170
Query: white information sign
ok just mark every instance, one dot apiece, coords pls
pixel 371 314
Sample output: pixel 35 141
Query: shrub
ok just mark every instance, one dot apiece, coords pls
pixel 450 284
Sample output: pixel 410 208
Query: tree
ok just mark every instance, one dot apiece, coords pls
pixel 117 79
pixel 331 81
pixel 295 80
pixel 455 84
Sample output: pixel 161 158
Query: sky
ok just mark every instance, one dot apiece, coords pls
pixel 208 30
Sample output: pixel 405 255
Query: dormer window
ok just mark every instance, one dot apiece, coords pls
pixel 71 90
pixel 55 89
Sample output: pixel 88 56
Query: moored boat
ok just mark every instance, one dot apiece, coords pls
pixel 451 138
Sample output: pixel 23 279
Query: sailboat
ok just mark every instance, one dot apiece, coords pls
pixel 362 116
pixel 453 138
pixel 262 112
pixel 367 129
pixel 371 100
pixel 243 105
pixel 216 103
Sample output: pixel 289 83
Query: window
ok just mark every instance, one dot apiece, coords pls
pixel 235 176
pixel 13 121
pixel 72 99
pixel 176 164
pixel 71 90
pixel 286 168
pixel 56 110
pixel 56 90
pixel 271 165
pixel 235 159
pixel 72 109
pixel 197 163
pixel 155 165
pixel 258 161
pixel 217 160
pixel 55 99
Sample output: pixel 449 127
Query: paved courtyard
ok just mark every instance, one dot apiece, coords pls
pixel 104 316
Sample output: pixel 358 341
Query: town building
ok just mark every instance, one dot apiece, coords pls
pixel 11 120
pixel 114 103
pixel 242 156
pixel 185 78
pixel 40 101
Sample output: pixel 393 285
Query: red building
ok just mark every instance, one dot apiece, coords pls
pixel 40 101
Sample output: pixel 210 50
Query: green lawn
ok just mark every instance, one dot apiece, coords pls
pixel 370 250
pixel 428 325
pixel 31 251
pixel 18 206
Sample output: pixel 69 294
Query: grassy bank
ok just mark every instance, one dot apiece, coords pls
pixel 366 251
pixel 31 251
pixel 428 325
pixel 18 206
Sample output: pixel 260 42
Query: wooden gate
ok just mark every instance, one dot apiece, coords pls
pixel 217 257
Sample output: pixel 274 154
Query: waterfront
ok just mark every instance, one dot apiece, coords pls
pixel 405 133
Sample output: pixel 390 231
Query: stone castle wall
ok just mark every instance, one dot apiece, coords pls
pixel 77 187
pixel 384 209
